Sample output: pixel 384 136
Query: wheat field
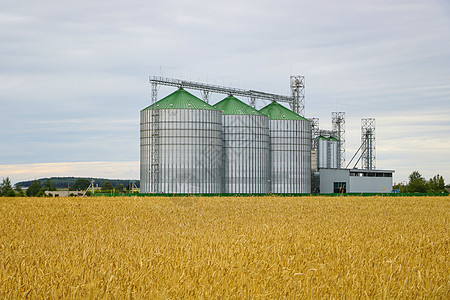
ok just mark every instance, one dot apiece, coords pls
pixel 225 248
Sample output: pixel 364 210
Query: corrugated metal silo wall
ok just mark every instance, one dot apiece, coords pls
pixel 190 151
pixel 246 153
pixel 333 154
pixel 322 153
pixel 290 152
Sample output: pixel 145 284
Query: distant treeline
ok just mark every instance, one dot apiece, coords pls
pixel 63 182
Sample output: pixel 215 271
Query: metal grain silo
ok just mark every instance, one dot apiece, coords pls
pixel 245 147
pixel 322 152
pixel 181 146
pixel 290 150
pixel 333 152
pixel 327 152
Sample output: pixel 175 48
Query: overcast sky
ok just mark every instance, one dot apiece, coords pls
pixel 74 74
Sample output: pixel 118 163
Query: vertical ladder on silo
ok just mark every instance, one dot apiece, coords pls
pixel 328 154
pixel 154 172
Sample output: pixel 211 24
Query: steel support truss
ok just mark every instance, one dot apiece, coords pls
pixel 298 95
pixel 315 132
pixel 368 142
pixel 205 96
pixel 296 101
pixel 338 124
pixel 154 92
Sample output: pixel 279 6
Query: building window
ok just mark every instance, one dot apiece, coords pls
pixel 340 187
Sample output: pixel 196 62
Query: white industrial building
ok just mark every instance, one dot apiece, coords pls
pixel 354 181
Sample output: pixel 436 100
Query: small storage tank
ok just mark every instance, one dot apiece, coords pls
pixel 327 152
pixel 245 147
pixel 290 150
pixel 334 152
pixel 322 152
pixel 181 146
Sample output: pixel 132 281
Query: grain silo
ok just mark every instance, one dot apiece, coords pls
pixel 181 146
pixel 290 150
pixel 245 147
pixel 334 152
pixel 322 152
pixel 327 152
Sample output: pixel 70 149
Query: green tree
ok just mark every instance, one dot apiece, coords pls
pixel 119 188
pixel 402 188
pixel 80 185
pixel 20 192
pixel 436 185
pixel 41 192
pixel 10 193
pixel 417 184
pixel 49 186
pixel 6 187
pixel 34 188
pixel 107 187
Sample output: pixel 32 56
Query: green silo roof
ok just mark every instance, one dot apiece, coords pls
pixel 333 139
pixel 276 111
pixel 180 99
pixel 321 137
pixel 233 106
